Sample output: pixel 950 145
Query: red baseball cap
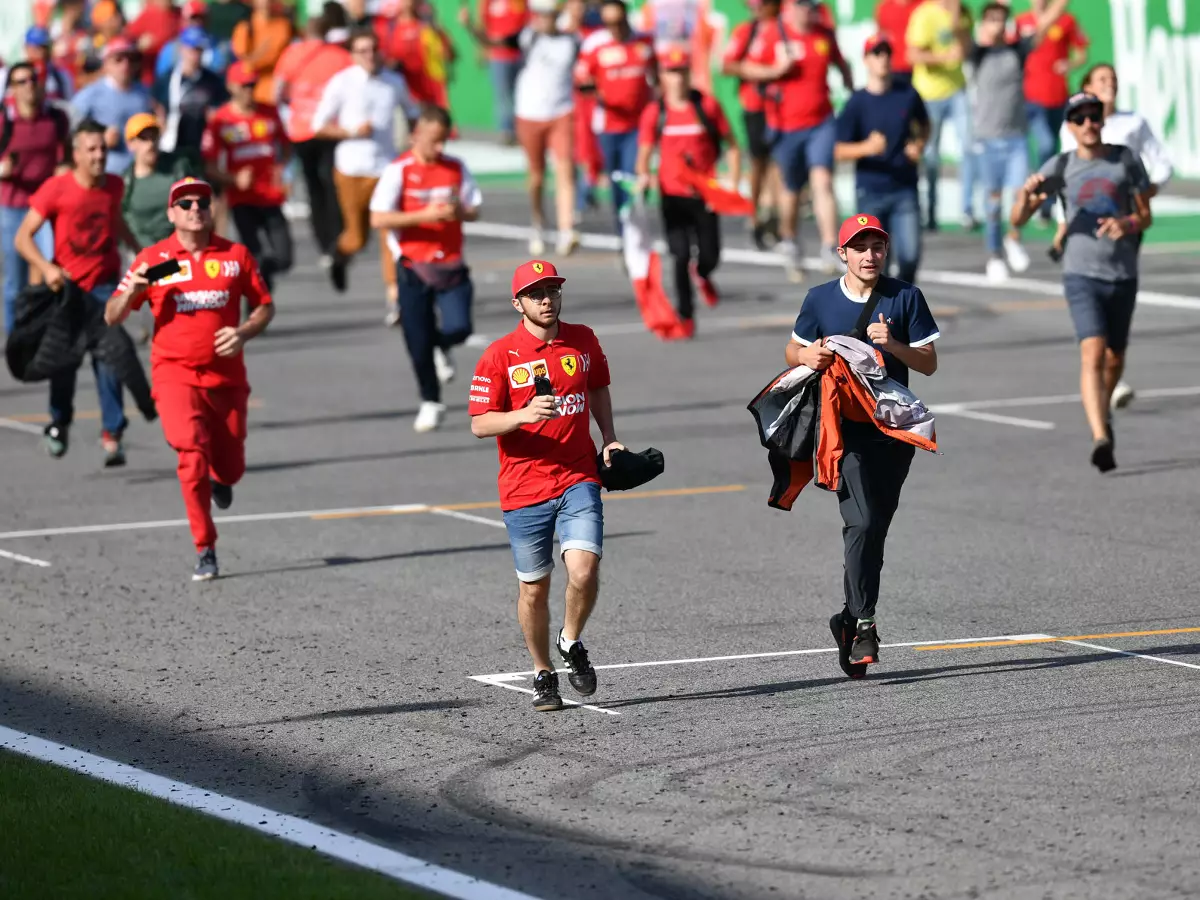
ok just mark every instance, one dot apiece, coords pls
pixel 856 225
pixel 240 73
pixel 194 9
pixel 533 272
pixel 674 58
pixel 117 46
pixel 188 187
pixel 875 41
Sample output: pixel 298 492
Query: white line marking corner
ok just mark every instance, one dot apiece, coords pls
pixel 17 557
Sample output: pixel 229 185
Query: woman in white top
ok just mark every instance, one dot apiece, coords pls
pixel 1126 129
pixel 543 103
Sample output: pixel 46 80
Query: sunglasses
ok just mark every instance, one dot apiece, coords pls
pixel 21 82
pixel 1081 118
pixel 202 203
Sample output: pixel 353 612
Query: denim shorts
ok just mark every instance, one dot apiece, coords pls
pixel 578 517
pixel 1101 308
pixel 796 152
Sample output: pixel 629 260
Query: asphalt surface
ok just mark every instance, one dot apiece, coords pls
pixel 328 673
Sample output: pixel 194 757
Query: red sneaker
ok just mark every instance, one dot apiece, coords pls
pixel 704 286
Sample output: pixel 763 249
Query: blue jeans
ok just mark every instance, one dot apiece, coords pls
pixel 108 388
pixel 620 155
pixel 432 318
pixel 1045 122
pixel 16 270
pixel 957 108
pixel 504 82
pixel 578 517
pixel 900 212
pixel 1003 163
pixel 795 152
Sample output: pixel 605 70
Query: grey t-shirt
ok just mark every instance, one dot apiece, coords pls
pixel 1098 189
pixel 999 82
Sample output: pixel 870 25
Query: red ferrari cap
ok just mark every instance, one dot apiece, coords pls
pixel 856 225
pixel 530 273
pixel 240 73
pixel 675 57
pixel 875 41
pixel 188 187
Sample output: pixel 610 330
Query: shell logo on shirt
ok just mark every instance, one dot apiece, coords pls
pixel 520 376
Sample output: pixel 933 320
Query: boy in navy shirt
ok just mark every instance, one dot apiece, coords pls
pixel 875 465
pixel 882 129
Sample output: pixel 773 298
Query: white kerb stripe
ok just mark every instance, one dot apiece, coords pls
pixel 336 844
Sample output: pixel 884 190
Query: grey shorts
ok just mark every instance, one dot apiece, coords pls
pixel 1101 308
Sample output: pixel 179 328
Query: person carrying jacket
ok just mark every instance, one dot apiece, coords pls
pixel 874 464
pixel 688 128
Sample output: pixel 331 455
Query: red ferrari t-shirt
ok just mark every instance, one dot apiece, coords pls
pixel 85 226
pixel 892 18
pixel 541 461
pixel 751 42
pixel 502 20
pixel 620 73
pixel 234 140
pixel 409 185
pixel 158 25
pixel 190 306
pixel 1045 69
pixel 683 142
pixel 800 99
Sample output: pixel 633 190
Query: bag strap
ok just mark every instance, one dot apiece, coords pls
pixel 1060 170
pixel 859 332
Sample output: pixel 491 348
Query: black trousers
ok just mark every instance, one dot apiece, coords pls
pixel 873 472
pixel 316 163
pixel 265 232
pixel 687 221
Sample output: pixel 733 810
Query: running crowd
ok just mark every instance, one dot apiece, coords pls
pixel 159 133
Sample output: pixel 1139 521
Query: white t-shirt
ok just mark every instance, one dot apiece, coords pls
pixel 352 97
pixel 1130 129
pixel 545 83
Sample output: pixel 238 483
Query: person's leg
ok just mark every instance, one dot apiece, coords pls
pixel 226 416
pixel 420 331
pixel 992 161
pixel 353 235
pixel 708 240
pixel 532 138
pixel 627 152
pixel 16 270
pixel 819 158
pixel 246 220
pixel 580 528
pixel 185 422
pixel 961 111
pixel 905 231
pixel 62 398
pixel 454 310
pixel 1118 314
pixel 1086 298
pixel 1016 170
pixel 531 537
pixel 109 390
pixel 310 153
pixel 610 148
pixel 561 144
pixel 939 112
pixel 279 237
pixel 677 228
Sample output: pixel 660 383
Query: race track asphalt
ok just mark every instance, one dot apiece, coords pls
pixel 327 673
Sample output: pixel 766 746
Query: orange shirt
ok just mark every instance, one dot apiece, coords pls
pixel 260 42
pixel 301 75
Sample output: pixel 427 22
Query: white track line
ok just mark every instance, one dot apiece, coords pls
pixel 488 679
pixel 17 557
pixel 953 409
pixel 340 846
pixel 466 517
pixel 21 426
pixel 591 241
pixel 1161 659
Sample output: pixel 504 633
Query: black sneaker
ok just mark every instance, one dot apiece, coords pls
pixel 114 449
pixel 843 636
pixel 1102 455
pixel 865 649
pixel 222 495
pixel 206 566
pixel 579 671
pixel 55 439
pixel 337 274
pixel 545 696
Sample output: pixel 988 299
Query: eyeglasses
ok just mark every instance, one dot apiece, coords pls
pixel 538 294
pixel 364 51
pixel 1082 117
pixel 202 203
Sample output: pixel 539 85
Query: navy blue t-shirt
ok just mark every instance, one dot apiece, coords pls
pixel 829 310
pixel 900 115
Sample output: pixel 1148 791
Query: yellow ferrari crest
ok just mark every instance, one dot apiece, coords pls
pixel 862 220
pixel 212 268
pixel 539 268
pixel 569 364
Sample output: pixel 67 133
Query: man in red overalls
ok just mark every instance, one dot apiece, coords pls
pixel 196 359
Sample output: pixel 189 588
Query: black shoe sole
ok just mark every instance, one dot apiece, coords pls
pixel 839 636
pixel 548 704
pixel 114 462
pixel 1102 456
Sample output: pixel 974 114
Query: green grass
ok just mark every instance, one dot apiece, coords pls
pixel 64 835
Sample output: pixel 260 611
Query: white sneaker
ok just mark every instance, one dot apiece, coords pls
pixel 1122 395
pixel 997 271
pixel 789 254
pixel 444 365
pixel 429 416
pixel 1018 259
pixel 537 244
pixel 392 318
pixel 325 261
pixel 567 243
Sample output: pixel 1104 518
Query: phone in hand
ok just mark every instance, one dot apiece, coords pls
pixel 162 270
pixel 542 387
pixel 1052 186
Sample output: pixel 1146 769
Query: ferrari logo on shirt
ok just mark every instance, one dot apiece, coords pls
pixel 822 48
pixel 212 268
pixel 259 128
pixel 1054 33
pixel 569 364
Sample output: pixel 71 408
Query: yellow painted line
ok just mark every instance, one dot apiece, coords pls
pixel 494 504
pixel 90 415
pixel 1051 640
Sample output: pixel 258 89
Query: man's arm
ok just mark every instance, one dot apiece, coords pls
pixel 121 303
pixel 600 399
pixel 849 151
pixel 495 423
pixel 733 164
pixel 27 247
pixel 921 359
pixel 1046 20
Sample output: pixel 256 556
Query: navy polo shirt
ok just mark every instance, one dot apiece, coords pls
pixel 829 310
pixel 900 115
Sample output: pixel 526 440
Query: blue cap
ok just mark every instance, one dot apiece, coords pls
pixel 37 37
pixel 195 37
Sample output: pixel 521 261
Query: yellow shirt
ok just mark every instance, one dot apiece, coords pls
pixel 932 28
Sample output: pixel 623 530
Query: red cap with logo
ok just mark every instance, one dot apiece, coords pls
pixel 856 225
pixel 533 272
pixel 188 187
pixel 875 41
pixel 240 73
pixel 674 57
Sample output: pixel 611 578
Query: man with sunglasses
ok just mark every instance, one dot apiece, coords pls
pixel 533 391
pixel 113 100
pixel 197 366
pixel 1106 192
